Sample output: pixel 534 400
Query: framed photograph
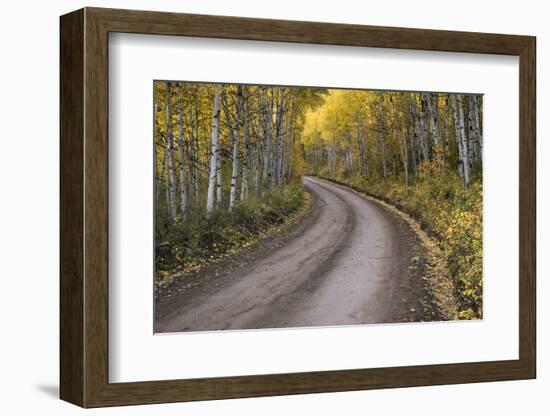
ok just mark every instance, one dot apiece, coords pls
pixel 255 207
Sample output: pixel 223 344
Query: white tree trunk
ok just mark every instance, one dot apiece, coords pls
pixel 170 140
pixel 279 136
pixel 181 155
pixel 189 149
pixel 236 137
pixel 214 151
pixel 382 141
pixel 446 127
pixel 196 152
pixel 267 122
pixel 424 122
pixel 155 157
pixel 433 114
pixel 477 112
pixel 246 149
pixel 417 131
pixel 166 182
pixel 256 168
pixel 219 174
pixel 461 139
pixel 404 155
pixel 291 139
pixel 474 131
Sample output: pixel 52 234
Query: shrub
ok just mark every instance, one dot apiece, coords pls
pixel 199 238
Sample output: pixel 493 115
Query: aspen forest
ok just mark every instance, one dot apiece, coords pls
pixel 421 152
pixel 257 182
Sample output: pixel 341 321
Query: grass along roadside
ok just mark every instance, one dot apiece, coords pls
pixel 195 243
pixel 448 220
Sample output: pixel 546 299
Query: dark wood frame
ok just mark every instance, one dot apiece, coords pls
pixel 84 207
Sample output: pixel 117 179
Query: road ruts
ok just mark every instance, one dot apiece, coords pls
pixel 351 261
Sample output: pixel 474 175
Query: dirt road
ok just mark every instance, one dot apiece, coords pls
pixel 350 261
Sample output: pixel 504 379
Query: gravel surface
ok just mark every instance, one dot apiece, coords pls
pixel 349 261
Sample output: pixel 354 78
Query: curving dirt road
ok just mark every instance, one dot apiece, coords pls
pixel 350 261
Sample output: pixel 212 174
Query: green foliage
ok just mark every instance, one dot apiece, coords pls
pixel 200 238
pixel 449 212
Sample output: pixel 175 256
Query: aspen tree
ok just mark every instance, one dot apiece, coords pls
pixel 170 141
pixel 246 147
pixel 214 151
pixel 461 137
pixel 235 152
pixel 181 155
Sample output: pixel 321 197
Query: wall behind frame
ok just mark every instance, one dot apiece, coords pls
pixel 29 210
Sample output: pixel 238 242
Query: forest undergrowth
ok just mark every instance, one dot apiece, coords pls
pixel 187 245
